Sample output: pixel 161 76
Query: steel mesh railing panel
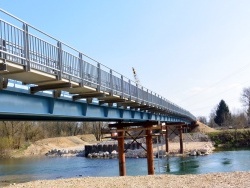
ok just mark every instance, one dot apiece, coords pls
pixel 11 43
pixel 43 56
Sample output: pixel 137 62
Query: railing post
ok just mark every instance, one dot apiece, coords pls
pixel 129 90
pixel 147 97
pixel 111 83
pixel 137 89
pixel 60 65
pixel 26 52
pixel 151 97
pixel 122 87
pixel 142 95
pixel 98 77
pixel 3 48
pixel 81 69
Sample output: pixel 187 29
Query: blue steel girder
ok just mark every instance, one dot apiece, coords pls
pixel 18 104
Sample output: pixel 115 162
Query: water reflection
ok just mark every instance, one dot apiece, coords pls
pixel 181 165
pixel 226 161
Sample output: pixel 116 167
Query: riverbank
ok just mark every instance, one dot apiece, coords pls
pixel 235 179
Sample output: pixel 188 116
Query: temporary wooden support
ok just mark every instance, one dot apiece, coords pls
pixel 35 89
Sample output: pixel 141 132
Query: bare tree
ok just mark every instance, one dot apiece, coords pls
pixel 245 99
pixel 202 119
pixel 212 115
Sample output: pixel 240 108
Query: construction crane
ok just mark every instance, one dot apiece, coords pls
pixel 137 81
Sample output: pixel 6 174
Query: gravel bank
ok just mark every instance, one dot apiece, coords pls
pixel 216 180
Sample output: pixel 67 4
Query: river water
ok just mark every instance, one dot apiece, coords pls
pixel 27 169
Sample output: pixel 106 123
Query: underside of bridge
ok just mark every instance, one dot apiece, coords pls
pixel 121 131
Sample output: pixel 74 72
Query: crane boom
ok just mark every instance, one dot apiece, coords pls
pixel 137 81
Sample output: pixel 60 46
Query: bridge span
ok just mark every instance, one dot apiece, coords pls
pixel 42 78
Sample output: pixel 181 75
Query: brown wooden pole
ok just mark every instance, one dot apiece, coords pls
pixel 181 140
pixel 150 154
pixel 167 139
pixel 121 154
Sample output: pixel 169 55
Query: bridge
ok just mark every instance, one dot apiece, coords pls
pixel 42 78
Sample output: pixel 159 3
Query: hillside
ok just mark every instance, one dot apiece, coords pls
pixel 41 147
pixel 202 128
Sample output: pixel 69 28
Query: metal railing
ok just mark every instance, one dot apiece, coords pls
pixel 20 46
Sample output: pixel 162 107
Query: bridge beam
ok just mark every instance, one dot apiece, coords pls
pixel 88 95
pixel 118 100
pixel 36 89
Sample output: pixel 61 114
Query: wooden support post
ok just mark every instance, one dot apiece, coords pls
pixel 150 154
pixel 167 140
pixel 181 140
pixel 121 154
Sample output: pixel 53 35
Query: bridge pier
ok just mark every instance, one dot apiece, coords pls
pixel 123 129
pixel 121 154
pixel 150 152
pixel 177 126
pixel 181 139
pixel 167 140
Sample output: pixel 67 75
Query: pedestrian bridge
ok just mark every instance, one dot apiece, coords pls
pixel 42 78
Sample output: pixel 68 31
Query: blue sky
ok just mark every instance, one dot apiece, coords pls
pixel 194 52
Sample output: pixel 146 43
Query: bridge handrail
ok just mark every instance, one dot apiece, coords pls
pixel 22 47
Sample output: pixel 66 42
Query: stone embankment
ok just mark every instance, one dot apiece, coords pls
pixel 200 150
pixel 65 153
pixel 207 149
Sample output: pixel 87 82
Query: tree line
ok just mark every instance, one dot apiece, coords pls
pixel 222 117
pixel 19 134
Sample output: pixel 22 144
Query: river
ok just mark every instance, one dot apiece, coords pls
pixel 27 169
